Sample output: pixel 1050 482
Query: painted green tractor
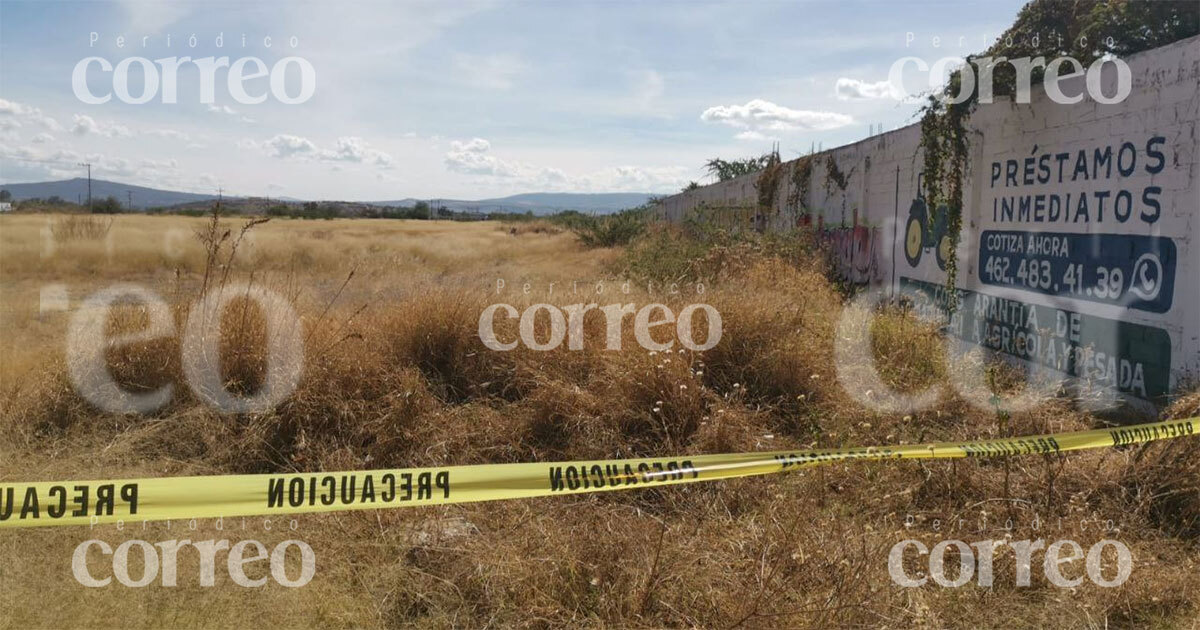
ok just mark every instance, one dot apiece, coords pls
pixel 922 232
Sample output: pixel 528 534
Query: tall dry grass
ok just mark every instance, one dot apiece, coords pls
pixel 394 375
pixel 74 227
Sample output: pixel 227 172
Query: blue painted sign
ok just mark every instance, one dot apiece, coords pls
pixel 1131 358
pixel 1126 270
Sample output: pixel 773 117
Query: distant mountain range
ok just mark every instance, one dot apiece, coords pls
pixel 76 190
pixel 538 203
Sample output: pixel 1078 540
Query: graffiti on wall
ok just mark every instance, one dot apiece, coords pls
pixel 857 249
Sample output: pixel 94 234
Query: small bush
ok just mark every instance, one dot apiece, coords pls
pixel 612 230
pixel 78 227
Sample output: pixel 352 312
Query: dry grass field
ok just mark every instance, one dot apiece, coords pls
pixel 395 375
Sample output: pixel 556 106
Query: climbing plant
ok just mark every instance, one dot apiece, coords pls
pixel 834 175
pixel 724 170
pixel 944 140
pixel 767 183
pixel 800 178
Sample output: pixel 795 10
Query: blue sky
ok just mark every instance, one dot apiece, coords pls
pixel 463 100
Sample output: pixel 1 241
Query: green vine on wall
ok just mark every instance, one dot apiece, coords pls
pixel 767 183
pixel 801 176
pixel 944 140
pixel 834 175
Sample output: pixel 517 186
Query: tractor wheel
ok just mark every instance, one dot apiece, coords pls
pixel 913 235
pixel 943 251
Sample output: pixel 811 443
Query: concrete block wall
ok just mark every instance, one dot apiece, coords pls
pixel 1105 289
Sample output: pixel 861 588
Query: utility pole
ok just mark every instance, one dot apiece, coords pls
pixel 129 195
pixel 89 169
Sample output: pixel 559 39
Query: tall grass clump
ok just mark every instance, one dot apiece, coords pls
pixel 701 249
pixel 80 227
pixel 531 226
pixel 1163 481
pixel 610 230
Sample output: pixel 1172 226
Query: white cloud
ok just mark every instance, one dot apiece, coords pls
pixel 553 176
pixel 642 179
pixel 226 110
pixel 853 89
pixel 286 145
pixel 759 116
pixel 85 125
pixel 12 110
pixel 168 164
pixel 753 135
pixel 474 144
pixel 42 138
pixel 150 16
pixel 355 149
pixel 169 133
pixel 471 158
pixel 495 71
pixel 36 163
pixel 350 149
pixel 623 178
pixel 648 89
pixel 65 163
pixel 66 157
pixel 43 162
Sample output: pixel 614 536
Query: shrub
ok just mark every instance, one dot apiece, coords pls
pixel 607 231
pixel 80 228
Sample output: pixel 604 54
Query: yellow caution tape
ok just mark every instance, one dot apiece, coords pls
pixel 169 498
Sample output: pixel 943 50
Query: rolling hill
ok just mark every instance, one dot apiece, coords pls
pixel 144 197
pixel 538 203
pixel 77 190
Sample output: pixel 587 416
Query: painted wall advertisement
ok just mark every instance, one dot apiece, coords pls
pixel 1070 262
pixel 1078 248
